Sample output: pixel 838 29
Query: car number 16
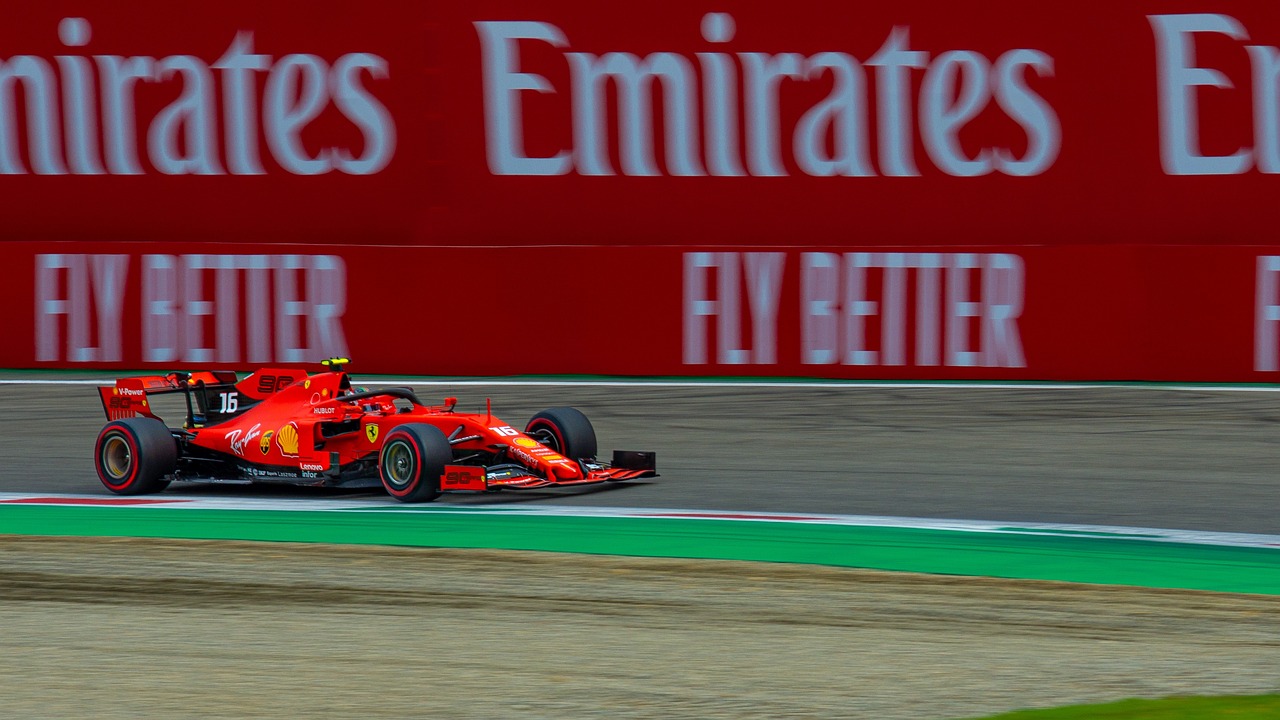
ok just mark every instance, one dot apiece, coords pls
pixel 230 401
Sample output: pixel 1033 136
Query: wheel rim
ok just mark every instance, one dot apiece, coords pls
pixel 398 464
pixel 117 460
pixel 545 436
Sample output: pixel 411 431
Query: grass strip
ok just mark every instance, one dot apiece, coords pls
pixel 1259 707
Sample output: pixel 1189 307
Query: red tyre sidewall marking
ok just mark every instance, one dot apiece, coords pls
pixel 133 458
pixel 539 423
pixel 417 465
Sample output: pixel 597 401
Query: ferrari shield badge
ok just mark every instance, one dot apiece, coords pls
pixel 371 432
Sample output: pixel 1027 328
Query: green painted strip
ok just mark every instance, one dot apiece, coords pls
pixel 1072 559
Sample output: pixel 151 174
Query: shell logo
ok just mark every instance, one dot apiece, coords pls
pixel 265 443
pixel 287 440
pixel 525 442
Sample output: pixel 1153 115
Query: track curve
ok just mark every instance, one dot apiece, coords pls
pixel 1148 457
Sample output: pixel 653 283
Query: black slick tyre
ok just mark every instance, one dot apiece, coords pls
pixel 565 430
pixel 411 462
pixel 134 455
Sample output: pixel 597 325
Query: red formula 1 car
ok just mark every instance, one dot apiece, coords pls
pixel 282 425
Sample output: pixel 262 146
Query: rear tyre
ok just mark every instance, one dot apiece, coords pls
pixel 565 430
pixel 411 462
pixel 134 455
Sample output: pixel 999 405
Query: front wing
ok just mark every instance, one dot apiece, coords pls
pixel 626 465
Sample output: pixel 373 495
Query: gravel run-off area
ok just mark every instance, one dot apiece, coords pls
pixel 124 628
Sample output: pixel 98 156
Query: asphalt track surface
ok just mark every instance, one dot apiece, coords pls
pixel 333 631
pixel 1142 457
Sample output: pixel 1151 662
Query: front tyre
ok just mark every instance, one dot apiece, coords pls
pixel 134 455
pixel 411 462
pixel 565 430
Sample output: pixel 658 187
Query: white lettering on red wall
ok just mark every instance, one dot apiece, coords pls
pixel 762 272
pixel 1179 78
pixel 194 308
pixel 1266 323
pixel 87 292
pixel 964 312
pixel 90 101
pixel 721 87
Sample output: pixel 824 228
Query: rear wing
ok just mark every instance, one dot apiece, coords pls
pixel 128 397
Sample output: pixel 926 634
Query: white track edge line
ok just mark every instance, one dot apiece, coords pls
pixel 853 385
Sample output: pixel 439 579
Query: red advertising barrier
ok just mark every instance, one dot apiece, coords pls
pixel 1071 312
pixel 964 189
